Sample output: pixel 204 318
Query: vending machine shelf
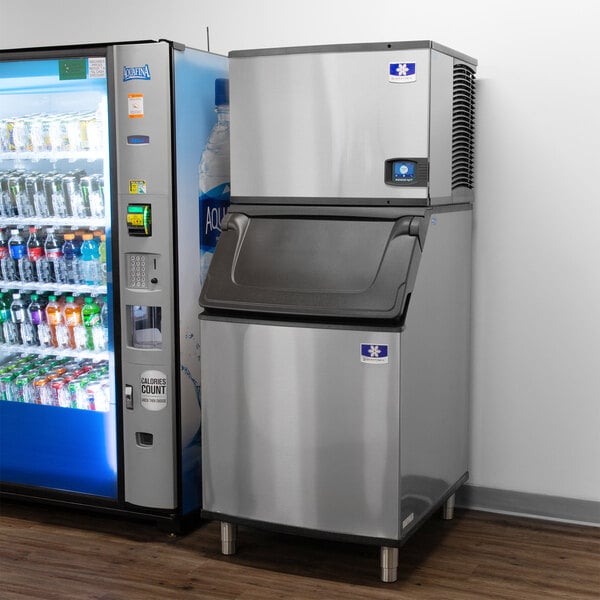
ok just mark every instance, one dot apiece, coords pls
pixel 39 222
pixel 36 286
pixel 51 351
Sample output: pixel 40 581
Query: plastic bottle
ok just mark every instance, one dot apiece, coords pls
pixel 7 264
pixel 4 316
pixel 17 315
pixel 90 261
pixel 102 258
pixel 73 320
pixel 35 252
pixel 18 252
pixel 36 314
pixel 53 266
pixel 70 259
pixel 55 318
pixel 214 178
pixel 29 333
pixel 92 322
pixel 104 320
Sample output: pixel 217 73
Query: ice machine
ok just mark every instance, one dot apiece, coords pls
pixel 339 294
pixel 100 251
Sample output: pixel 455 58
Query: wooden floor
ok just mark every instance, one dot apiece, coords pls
pixel 54 554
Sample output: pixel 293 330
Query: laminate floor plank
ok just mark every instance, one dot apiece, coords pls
pixel 50 553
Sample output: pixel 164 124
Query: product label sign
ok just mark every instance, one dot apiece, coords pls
pixel 153 390
pixel 130 73
pixel 135 106
pixel 72 68
pixel 373 353
pixel 97 68
pixel 403 72
pixel 213 206
pixel 137 186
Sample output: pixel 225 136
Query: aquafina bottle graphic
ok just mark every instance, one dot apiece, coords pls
pixel 214 178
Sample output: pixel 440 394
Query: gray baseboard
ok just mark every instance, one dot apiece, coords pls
pixel 531 505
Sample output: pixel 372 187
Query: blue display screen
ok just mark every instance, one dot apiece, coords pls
pixel 403 170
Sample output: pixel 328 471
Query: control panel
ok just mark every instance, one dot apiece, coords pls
pixel 406 171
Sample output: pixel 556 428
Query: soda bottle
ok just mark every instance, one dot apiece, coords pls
pixel 29 334
pixel 69 253
pixel 4 316
pixel 90 261
pixel 35 252
pixel 73 320
pixel 18 252
pixel 7 264
pixel 37 317
pixel 104 321
pixel 92 322
pixel 10 331
pixel 17 316
pixel 53 266
pixel 55 319
pixel 214 178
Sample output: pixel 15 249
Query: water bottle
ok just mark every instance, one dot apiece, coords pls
pixel 69 253
pixel 214 178
pixel 7 264
pixel 18 252
pixel 90 261
pixel 52 266
pixel 35 252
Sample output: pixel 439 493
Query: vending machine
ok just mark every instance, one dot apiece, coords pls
pixel 100 153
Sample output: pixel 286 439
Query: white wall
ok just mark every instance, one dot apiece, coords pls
pixel 536 298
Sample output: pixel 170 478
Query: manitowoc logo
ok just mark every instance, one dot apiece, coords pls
pixel 130 73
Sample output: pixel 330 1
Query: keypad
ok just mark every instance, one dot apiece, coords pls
pixel 137 272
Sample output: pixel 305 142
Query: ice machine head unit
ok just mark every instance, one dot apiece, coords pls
pixel 382 124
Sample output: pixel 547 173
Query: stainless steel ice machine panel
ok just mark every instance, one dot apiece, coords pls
pixel 312 434
pixel 317 125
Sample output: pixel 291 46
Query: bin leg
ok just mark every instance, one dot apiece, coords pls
pixel 448 508
pixel 389 564
pixel 228 538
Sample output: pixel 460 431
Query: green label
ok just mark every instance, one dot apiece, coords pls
pixel 72 68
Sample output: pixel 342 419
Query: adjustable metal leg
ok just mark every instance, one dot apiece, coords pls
pixel 389 564
pixel 448 508
pixel 228 538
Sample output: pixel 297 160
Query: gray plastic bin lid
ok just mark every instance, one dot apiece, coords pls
pixel 313 267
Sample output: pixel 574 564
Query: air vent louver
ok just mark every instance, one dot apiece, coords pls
pixel 463 126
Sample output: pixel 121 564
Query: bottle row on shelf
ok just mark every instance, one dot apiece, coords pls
pixel 47 321
pixel 63 257
pixel 27 194
pixel 44 132
pixel 56 381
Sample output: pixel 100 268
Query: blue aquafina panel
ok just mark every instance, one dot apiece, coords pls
pixel 214 178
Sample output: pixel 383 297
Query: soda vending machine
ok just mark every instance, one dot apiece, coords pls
pixel 100 148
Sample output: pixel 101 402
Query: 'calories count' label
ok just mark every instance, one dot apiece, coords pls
pixel 153 390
